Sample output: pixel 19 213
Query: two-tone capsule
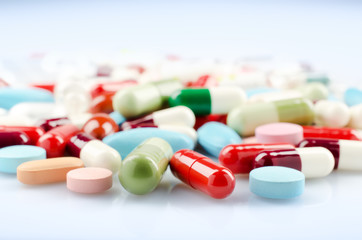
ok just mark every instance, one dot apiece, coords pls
pixel 246 118
pixel 314 162
pixel 347 153
pixel 332 133
pixel 203 101
pixel 201 173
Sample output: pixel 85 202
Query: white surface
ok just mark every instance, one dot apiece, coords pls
pixel 317 162
pixel 224 99
pixel 350 153
pixel 175 115
pixel 326 33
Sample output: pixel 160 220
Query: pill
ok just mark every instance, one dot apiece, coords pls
pixel 180 115
pixel 49 124
pixel 353 96
pixel 13 137
pixel 203 101
pixel 94 153
pixel 246 118
pixel 317 77
pixel 239 158
pixel 145 98
pixel 201 173
pixel 143 168
pixel 356 117
pixel 33 132
pixel 276 182
pixel 110 87
pixel 37 111
pixel 188 131
pixel 100 126
pixel 332 133
pixel 49 170
pixel 279 133
pixel 347 153
pixel 201 120
pixel 117 117
pixel 312 161
pixel 102 103
pixel 214 136
pixel 331 114
pixel 124 142
pixel 11 157
pixel 9 96
pixel 55 140
pixel 89 180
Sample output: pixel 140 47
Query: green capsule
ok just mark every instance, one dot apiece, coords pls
pixel 143 168
pixel 144 98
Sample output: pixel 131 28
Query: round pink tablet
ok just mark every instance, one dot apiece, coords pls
pixel 279 133
pixel 89 180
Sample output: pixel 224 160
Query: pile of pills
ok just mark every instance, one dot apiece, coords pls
pixel 279 125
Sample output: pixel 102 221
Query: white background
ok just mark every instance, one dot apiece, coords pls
pixel 325 33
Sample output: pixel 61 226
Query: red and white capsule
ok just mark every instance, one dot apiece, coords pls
pixel 332 133
pixel 239 158
pixel 347 153
pixel 201 173
pixel 314 162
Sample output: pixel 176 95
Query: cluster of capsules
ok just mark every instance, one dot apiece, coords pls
pixel 65 131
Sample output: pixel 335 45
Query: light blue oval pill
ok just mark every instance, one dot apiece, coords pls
pixel 276 182
pixel 214 136
pixel 125 141
pixel 117 117
pixel 11 157
pixel 10 96
pixel 353 96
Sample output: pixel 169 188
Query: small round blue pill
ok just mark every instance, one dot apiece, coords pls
pixel 276 182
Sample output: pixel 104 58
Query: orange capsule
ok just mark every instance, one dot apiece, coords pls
pixel 100 126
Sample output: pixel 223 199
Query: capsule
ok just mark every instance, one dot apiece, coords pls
pixel 141 99
pixel 49 124
pixel 331 133
pixel 33 132
pixel 203 101
pixel 143 168
pixel 239 158
pixel 201 120
pixel 55 141
pixel 102 103
pixel 100 126
pixel 356 117
pixel 246 118
pixel 331 114
pixel 201 173
pixel 9 138
pixel 314 162
pixel 180 115
pixel 110 87
pixel 347 153
pixel 94 153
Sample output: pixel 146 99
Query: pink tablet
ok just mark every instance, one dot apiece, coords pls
pixel 89 180
pixel 279 133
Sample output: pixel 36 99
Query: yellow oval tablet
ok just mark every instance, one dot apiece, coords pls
pixel 49 170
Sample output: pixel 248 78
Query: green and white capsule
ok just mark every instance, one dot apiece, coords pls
pixel 246 118
pixel 144 98
pixel 204 101
pixel 144 167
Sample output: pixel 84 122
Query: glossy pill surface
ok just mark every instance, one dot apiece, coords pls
pixel 124 142
pixel 89 180
pixel 239 158
pixel 11 157
pixel 201 173
pixel 49 170
pixel 332 133
pixel 9 138
pixel 77 142
pixel 214 136
pixel 276 182
pixel 33 132
pixel 143 168
pixel 100 126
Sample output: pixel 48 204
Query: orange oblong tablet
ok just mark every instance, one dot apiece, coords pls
pixel 49 170
pixel 89 180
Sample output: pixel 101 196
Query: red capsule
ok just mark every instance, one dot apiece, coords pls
pixel 47 86
pixel 102 103
pixel 10 138
pixel 110 87
pixel 55 141
pixel 201 120
pixel 204 81
pixel 239 158
pixel 331 133
pixel 202 173
pixel 100 126
pixel 49 124
pixel 77 142
pixel 33 132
